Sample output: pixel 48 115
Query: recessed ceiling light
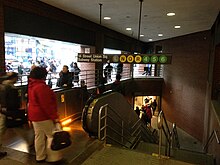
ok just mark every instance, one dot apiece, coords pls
pixel 128 28
pixel 171 14
pixel 150 39
pixel 160 35
pixel 107 18
pixel 177 26
pixel 141 35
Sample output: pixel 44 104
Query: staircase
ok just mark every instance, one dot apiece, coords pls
pixel 130 141
pixel 110 155
pixel 193 157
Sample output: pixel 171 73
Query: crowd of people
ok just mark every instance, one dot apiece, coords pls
pixel 42 107
pixel 147 111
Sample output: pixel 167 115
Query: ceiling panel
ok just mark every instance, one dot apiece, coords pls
pixel 191 15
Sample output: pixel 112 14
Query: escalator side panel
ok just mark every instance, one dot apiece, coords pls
pixel 114 100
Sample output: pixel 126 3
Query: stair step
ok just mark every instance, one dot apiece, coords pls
pixel 114 155
pixel 177 154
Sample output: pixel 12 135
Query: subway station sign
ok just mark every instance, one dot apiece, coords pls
pixel 125 58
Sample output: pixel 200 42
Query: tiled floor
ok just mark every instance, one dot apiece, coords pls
pixel 16 144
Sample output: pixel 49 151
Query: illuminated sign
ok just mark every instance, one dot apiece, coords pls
pixel 126 58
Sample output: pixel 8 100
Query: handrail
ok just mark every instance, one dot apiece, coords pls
pixel 91 77
pixel 103 115
pixel 105 107
pixel 171 136
pixel 174 135
pixel 120 126
pixel 161 119
pixel 214 133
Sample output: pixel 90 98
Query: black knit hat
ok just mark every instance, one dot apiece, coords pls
pixel 38 73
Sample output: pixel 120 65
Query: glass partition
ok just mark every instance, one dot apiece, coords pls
pixel 23 52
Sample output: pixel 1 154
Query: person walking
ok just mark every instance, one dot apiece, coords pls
pixel 42 112
pixel 154 106
pixel 9 102
pixel 148 111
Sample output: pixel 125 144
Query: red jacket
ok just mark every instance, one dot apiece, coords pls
pixel 42 101
pixel 148 111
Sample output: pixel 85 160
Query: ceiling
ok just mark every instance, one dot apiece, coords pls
pixel 192 15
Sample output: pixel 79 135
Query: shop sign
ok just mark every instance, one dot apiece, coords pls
pixel 126 58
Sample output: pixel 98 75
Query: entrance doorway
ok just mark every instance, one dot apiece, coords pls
pixel 154 101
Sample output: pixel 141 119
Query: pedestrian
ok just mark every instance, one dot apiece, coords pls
pixel 85 93
pixel 65 79
pixel 117 85
pixel 119 68
pixel 108 71
pixel 9 101
pixel 147 108
pixel 137 110
pixel 42 112
pixel 75 72
pixel 154 106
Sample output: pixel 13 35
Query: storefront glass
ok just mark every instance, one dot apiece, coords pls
pixel 22 51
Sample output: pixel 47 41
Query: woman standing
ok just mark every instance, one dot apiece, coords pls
pixel 75 70
pixel 42 112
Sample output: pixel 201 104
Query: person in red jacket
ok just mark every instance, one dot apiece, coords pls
pixel 42 112
pixel 148 111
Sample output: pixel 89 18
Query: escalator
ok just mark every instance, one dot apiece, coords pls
pixel 122 121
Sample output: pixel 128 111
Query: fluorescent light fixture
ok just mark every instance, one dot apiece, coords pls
pixel 128 28
pixel 160 35
pixel 170 14
pixel 141 35
pixel 177 26
pixel 107 18
pixel 150 39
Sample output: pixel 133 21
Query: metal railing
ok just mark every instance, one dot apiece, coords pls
pixel 213 135
pixel 172 139
pixel 126 136
pixel 92 77
pixel 154 71
pixel 120 130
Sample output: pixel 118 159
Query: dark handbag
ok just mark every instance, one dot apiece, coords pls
pixel 61 139
pixel 15 118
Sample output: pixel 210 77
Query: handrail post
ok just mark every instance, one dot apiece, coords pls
pixel 105 120
pixel 100 118
pixel 160 125
pixel 169 135
pixel 160 142
pixel 122 132
pixel 99 123
pixel 172 136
